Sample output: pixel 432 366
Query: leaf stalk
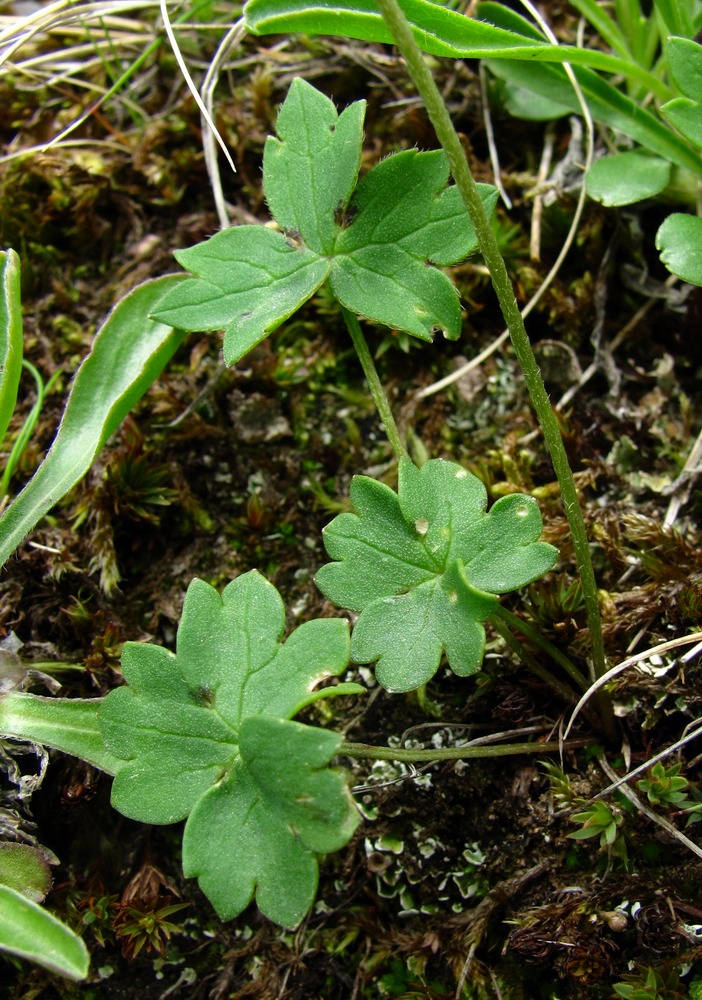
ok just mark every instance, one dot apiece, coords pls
pixel 361 751
pixel 374 383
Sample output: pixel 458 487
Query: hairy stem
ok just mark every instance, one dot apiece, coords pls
pixel 448 137
pixel 363 750
pixel 374 383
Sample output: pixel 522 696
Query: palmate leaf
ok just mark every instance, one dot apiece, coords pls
pixel 423 566
pixel 372 244
pixel 273 814
pixel 205 733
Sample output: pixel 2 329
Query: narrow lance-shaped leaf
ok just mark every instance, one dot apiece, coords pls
pixel 423 566
pixel 129 352
pixel 31 932
pixel 205 733
pixel 10 336
pixel 438 30
pixel 373 245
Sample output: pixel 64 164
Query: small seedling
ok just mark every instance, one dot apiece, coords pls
pixel 598 820
pixel 665 785
pixel 648 983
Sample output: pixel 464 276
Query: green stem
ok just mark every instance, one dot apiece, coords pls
pixel 517 624
pixel 374 383
pixel 363 750
pixel 448 137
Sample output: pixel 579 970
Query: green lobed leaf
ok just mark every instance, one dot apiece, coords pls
pixel 11 347
pixel 249 279
pixel 310 171
pixel 32 933
pixel 129 351
pixel 422 567
pixel 373 246
pixel 275 812
pixel 403 216
pixel 679 241
pixel 204 732
pixel 625 178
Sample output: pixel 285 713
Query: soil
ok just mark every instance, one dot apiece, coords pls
pixel 463 875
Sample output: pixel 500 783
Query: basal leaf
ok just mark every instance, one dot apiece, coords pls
pixel 679 241
pixel 204 732
pixel 278 809
pixel 374 246
pixel 625 178
pixel 685 115
pixel 685 65
pixel 422 567
pixel 176 725
pixel 437 28
pixel 311 169
pixel 249 279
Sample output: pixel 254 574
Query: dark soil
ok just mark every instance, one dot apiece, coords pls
pixel 465 871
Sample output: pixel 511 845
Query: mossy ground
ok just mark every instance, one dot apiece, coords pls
pixel 465 871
